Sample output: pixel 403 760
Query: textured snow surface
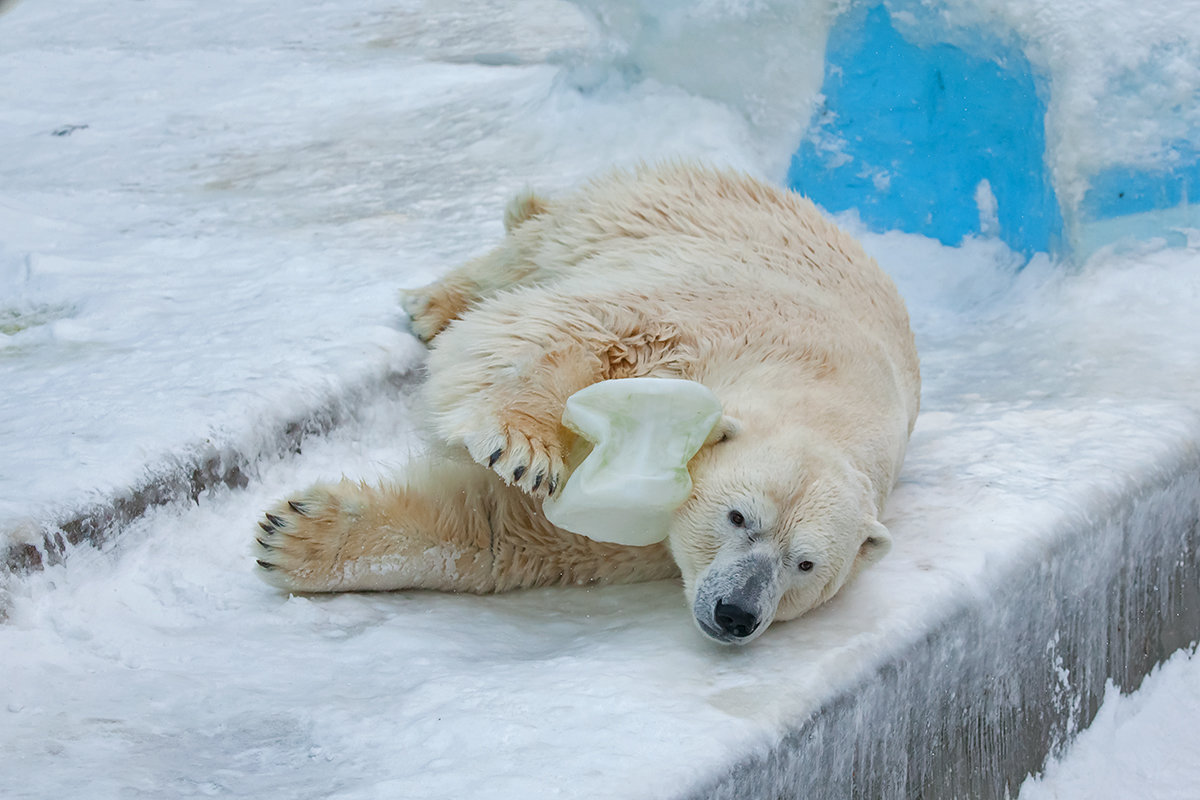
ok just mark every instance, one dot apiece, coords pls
pixel 1139 745
pixel 207 208
pixel 218 249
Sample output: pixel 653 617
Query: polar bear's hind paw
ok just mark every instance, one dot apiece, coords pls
pixel 297 541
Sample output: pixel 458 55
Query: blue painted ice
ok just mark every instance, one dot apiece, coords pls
pixel 949 122
pixel 937 139
pixel 1125 201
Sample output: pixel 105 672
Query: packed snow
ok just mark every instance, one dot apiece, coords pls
pixel 1139 745
pixel 205 211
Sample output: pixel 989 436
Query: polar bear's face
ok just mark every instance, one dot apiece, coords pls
pixel 771 531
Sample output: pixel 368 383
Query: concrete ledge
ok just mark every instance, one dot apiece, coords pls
pixel 980 701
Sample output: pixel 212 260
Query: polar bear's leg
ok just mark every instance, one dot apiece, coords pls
pixel 449 525
pixel 431 308
pixel 500 377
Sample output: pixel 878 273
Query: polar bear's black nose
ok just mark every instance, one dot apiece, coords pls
pixel 734 620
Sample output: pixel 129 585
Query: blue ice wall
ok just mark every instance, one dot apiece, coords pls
pixel 909 134
pixel 1120 191
pixel 1124 202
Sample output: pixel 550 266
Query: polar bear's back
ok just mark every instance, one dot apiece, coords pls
pixel 683 206
pixel 700 227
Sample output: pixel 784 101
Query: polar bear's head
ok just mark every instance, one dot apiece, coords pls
pixel 776 525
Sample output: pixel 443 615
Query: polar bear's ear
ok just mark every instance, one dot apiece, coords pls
pixel 875 546
pixel 726 429
pixel 524 206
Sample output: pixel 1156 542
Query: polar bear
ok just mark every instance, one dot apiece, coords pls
pixel 677 271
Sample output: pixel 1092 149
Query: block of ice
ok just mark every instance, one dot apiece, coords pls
pixel 930 137
pixel 628 470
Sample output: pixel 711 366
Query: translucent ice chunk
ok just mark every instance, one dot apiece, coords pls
pixel 629 473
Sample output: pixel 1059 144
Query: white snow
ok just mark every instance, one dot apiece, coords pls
pixel 219 248
pixel 218 241
pixel 1140 745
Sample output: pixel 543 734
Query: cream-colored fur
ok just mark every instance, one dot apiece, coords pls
pixel 675 271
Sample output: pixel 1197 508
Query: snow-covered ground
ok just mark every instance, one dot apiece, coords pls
pixel 1140 745
pixel 205 210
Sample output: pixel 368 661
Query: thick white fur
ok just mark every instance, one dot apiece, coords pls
pixel 676 271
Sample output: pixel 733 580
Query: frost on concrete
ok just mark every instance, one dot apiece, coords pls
pixel 1140 744
pixel 194 470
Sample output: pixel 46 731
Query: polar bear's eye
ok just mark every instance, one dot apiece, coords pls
pixel 737 519
pixel 805 566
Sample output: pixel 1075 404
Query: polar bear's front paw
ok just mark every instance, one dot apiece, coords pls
pixel 432 308
pixel 534 464
pixel 297 542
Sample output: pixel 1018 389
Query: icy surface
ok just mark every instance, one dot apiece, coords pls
pixel 219 247
pixel 1122 86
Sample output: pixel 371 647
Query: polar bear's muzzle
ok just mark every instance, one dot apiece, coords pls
pixel 736 598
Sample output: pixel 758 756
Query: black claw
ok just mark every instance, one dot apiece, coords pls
pixel 553 484
pixel 265 564
pixel 538 480
pixel 266 527
pixel 264 544
pixel 495 457
pixel 274 520
pixel 518 472
pixel 300 509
